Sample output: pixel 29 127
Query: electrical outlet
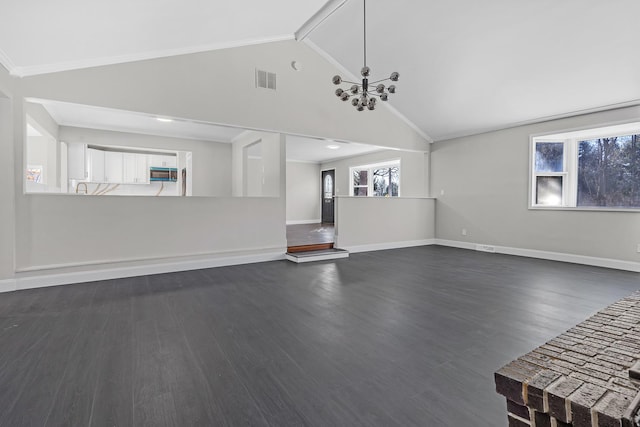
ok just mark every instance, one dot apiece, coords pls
pixel 464 231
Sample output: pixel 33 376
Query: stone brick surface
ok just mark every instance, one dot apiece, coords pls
pixel 557 394
pixel 582 400
pixel 519 410
pixel 535 388
pixel 542 419
pixel 588 376
pixel 516 422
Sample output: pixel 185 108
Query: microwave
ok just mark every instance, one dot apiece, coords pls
pixel 163 174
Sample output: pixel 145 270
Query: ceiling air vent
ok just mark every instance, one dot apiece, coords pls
pixel 265 79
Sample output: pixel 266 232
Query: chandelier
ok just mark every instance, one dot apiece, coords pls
pixel 366 94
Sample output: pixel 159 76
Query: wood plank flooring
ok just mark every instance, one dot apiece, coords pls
pixel 407 337
pixel 309 234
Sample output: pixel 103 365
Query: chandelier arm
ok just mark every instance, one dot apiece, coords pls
pixel 379 81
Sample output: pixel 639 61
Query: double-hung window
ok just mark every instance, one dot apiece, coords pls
pixel 380 179
pixel 593 168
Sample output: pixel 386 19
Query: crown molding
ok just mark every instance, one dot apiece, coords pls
pixel 576 113
pixel 121 59
pixel 348 74
pixel 318 18
pixel 7 63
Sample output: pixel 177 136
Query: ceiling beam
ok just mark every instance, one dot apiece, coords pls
pixel 318 18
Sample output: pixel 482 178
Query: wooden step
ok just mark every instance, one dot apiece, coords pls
pixel 309 248
pixel 317 255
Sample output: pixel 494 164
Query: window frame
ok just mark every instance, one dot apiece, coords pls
pixel 571 140
pixel 370 169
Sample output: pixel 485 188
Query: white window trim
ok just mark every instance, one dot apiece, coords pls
pixel 570 140
pixel 370 167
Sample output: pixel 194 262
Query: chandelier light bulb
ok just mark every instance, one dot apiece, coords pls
pixel 371 107
pixel 355 89
pixel 355 102
pixel 337 80
pixel 384 97
pixel 394 76
pixel 344 96
pixel 392 89
pixel 360 108
pixel 365 71
pixel 339 92
pixel 380 88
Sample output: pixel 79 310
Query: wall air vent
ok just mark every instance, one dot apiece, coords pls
pixel 265 79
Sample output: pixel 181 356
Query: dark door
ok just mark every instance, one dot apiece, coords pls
pixel 328 191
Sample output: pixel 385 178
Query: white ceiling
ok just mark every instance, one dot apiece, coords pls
pixel 43 36
pixel 298 148
pixel 466 66
pixel 322 150
pixel 85 116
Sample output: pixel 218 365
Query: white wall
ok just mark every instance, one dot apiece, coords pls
pixel 211 171
pixel 219 87
pixel 370 223
pixel 303 192
pixel 7 206
pixel 259 176
pixel 43 151
pixel 485 182
pixel 69 231
pixel 414 170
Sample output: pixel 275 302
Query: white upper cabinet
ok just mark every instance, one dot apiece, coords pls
pixel 113 169
pixel 162 161
pixel 135 168
pixel 95 161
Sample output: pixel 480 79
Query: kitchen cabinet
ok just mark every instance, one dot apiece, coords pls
pixel 76 161
pixel 113 167
pixel 95 163
pixel 162 161
pixel 136 168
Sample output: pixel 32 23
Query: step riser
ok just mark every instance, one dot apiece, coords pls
pixel 325 257
pixel 307 248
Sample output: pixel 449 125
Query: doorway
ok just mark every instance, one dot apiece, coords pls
pixel 328 193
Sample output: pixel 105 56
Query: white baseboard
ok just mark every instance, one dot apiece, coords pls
pixel 304 221
pixel 552 256
pixel 32 280
pixel 8 285
pixel 389 245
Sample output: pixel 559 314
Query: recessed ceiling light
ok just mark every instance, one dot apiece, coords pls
pixel 333 147
pixel 164 119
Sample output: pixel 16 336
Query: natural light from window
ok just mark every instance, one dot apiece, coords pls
pixel 592 168
pixel 375 180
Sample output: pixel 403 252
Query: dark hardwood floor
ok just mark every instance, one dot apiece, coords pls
pixel 309 234
pixel 407 337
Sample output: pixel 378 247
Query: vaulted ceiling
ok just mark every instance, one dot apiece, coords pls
pixel 466 66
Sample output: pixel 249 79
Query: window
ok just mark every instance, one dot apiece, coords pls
pixel 381 180
pixel 595 168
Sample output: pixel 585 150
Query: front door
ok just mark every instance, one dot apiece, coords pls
pixel 328 191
